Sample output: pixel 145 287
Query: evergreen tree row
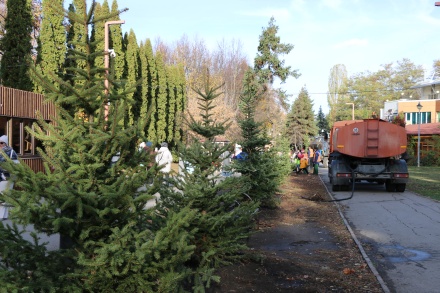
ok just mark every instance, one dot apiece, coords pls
pixel 154 89
pixel 110 240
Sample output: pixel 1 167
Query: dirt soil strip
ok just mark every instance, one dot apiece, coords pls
pixel 301 246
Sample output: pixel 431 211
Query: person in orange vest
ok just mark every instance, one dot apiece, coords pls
pixel 304 162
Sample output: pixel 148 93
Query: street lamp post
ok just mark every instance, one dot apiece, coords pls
pixel 106 60
pixel 352 110
pixel 419 106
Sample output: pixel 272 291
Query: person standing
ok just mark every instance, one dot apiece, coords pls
pixel 311 155
pixel 5 182
pixel 148 149
pixel 164 159
pixel 316 161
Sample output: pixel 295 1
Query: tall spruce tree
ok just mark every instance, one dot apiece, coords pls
pixel 259 169
pixel 262 169
pixel 300 125
pixel 321 121
pixel 224 212
pixel 111 242
pixel 267 63
pixel 16 46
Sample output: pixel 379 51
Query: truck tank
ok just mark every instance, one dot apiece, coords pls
pixel 370 150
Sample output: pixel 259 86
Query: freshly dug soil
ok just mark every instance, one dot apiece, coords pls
pixel 301 246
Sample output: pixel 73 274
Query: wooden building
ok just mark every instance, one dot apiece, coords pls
pixel 19 109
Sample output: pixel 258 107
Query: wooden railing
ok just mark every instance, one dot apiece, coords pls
pixel 35 163
pixel 22 104
pixel 18 103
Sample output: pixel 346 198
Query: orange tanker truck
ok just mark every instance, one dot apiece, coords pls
pixel 370 150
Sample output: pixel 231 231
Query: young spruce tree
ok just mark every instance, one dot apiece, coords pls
pixel 109 241
pixel 224 212
pixel 260 168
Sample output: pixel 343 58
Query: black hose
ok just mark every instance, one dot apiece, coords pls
pixel 352 190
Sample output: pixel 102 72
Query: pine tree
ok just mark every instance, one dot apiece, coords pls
pixel 224 211
pixel 111 243
pixel 16 46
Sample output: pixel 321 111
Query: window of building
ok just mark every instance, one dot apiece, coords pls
pixel 425 117
pixel 3 125
pixel 21 141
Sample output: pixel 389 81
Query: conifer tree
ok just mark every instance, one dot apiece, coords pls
pixel 300 125
pixel 133 76
pixel 111 243
pixel 172 96
pixel 16 46
pixel 180 103
pixel 224 211
pixel 260 168
pixel 97 36
pixel 116 43
pixel 52 42
pixel 161 98
pixel 78 35
pixel 149 85
pixel 321 121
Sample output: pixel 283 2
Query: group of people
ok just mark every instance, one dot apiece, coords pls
pixel 305 162
pixel 162 156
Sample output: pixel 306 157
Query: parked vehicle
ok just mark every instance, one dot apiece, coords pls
pixel 370 150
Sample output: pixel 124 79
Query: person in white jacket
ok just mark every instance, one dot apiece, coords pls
pixel 164 158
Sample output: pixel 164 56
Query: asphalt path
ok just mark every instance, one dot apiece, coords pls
pixel 399 232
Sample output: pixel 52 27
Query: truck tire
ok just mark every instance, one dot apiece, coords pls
pixel 336 187
pixel 400 187
pixel 390 187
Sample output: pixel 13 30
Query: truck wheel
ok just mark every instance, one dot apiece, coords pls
pixel 400 187
pixel 389 186
pixel 336 187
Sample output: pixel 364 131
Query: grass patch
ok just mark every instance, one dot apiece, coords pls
pixel 425 181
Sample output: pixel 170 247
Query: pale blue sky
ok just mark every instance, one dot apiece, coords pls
pixel 361 34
